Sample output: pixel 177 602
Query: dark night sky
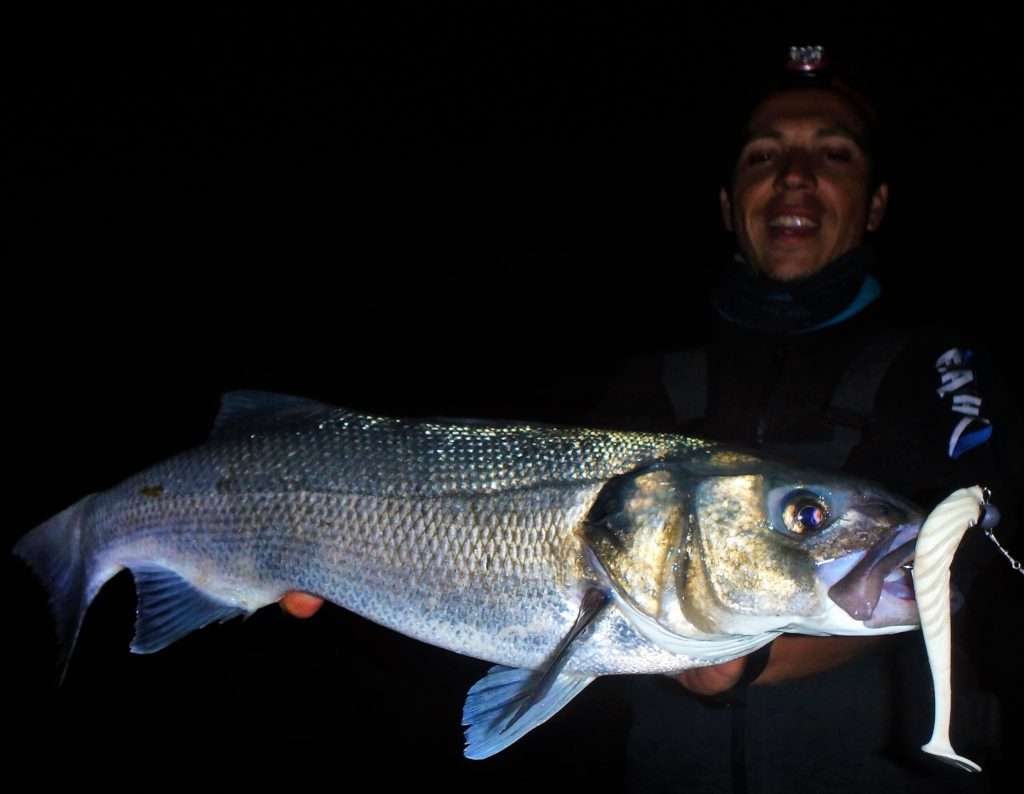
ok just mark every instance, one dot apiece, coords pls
pixel 241 185
pixel 408 210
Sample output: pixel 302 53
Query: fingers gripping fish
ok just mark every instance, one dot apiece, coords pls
pixel 558 554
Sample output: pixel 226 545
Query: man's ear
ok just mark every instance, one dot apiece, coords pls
pixel 723 200
pixel 876 210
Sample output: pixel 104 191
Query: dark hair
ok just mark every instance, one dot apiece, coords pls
pixel 824 77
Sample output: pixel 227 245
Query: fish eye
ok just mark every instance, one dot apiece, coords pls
pixel 804 513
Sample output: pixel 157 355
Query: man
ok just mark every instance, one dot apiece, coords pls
pixel 803 197
pixel 804 366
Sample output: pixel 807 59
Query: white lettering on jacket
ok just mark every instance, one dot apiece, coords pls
pixel 971 428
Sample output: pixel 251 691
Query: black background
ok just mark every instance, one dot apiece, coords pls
pixel 414 210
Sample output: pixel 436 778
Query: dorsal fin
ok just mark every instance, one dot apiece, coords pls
pixel 247 411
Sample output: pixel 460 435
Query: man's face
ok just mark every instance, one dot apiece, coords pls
pixel 801 186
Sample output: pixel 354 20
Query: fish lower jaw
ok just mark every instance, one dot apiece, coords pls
pixel 834 620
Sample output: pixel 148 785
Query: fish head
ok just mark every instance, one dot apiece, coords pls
pixel 798 551
pixel 733 544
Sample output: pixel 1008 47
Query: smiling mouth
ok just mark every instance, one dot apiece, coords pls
pixel 794 222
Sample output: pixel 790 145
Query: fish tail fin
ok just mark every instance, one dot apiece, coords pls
pixel 55 554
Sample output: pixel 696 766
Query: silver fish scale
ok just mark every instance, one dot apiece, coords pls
pixel 353 453
pixel 462 536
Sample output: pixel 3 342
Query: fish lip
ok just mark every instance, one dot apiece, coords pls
pixel 858 592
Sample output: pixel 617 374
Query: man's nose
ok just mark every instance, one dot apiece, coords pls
pixel 796 170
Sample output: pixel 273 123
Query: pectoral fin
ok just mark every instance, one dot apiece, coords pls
pixel 490 713
pixel 507 703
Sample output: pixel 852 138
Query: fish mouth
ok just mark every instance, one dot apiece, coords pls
pixel 884 570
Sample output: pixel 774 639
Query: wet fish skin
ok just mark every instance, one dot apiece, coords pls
pixel 480 538
pixel 390 519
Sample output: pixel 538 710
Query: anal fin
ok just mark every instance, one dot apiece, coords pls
pixel 169 607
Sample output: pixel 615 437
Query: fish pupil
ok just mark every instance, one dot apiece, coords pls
pixel 810 516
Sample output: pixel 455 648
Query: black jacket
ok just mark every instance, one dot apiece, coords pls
pixel 862 725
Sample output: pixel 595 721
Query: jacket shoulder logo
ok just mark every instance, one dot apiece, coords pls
pixel 957 383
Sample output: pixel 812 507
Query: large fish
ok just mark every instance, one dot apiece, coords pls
pixel 558 554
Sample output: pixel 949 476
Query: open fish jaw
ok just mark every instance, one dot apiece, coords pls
pixel 878 588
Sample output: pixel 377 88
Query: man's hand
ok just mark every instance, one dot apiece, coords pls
pixel 713 680
pixel 300 605
pixel 792 656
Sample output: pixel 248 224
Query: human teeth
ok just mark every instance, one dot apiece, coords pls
pixel 793 222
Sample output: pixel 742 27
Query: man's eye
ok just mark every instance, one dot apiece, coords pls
pixel 758 156
pixel 839 155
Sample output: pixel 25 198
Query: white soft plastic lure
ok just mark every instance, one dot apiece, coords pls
pixel 937 542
